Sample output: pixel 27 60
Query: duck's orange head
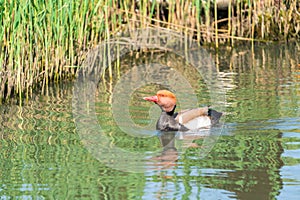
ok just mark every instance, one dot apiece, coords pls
pixel 165 99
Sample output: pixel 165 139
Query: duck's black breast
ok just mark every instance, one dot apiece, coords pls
pixel 167 122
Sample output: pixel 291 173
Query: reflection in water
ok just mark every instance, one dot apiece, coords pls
pixel 169 154
pixel 257 156
pixel 257 174
pixel 174 145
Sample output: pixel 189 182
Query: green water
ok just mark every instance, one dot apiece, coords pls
pixel 45 156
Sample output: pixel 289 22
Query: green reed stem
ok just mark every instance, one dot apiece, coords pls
pixel 216 23
pixel 44 41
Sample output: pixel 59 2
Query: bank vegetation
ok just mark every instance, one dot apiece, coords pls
pixel 43 42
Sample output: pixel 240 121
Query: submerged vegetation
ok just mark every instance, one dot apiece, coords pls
pixel 43 42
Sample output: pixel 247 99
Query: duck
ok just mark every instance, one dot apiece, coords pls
pixel 185 120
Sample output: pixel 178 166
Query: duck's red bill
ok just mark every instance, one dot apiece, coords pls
pixel 152 99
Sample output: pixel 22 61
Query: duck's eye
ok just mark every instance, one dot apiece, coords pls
pixel 162 95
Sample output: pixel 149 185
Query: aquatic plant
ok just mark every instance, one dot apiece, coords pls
pixel 43 42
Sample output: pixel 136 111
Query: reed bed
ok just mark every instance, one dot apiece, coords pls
pixel 46 41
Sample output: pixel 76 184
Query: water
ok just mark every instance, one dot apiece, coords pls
pixel 45 155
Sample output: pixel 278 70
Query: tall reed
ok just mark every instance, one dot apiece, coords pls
pixel 43 42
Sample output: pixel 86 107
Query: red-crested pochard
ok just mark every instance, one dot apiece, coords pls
pixel 185 120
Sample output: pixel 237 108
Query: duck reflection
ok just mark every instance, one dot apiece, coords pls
pixel 169 154
pixel 172 141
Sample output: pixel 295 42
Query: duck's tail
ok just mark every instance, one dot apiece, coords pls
pixel 214 116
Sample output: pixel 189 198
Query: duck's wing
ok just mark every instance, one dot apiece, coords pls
pixel 185 116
